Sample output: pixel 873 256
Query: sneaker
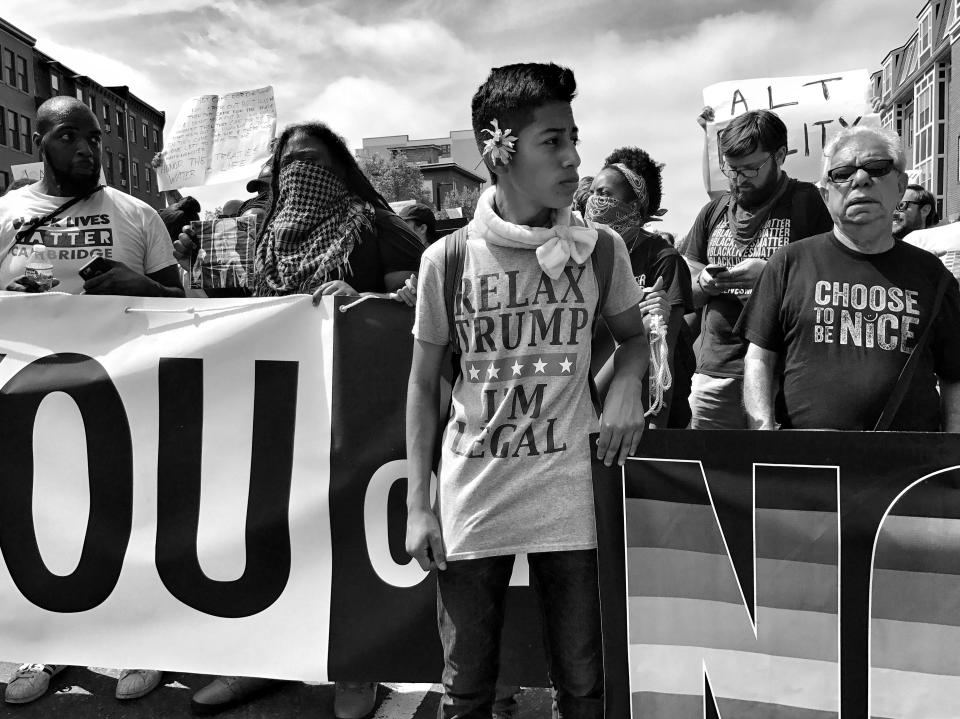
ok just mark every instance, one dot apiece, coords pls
pixel 354 700
pixel 136 683
pixel 30 682
pixel 227 692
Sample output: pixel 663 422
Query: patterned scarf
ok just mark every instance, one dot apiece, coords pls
pixel 311 233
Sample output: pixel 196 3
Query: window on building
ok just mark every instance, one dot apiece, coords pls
pixel 80 93
pixel 22 82
pixel 925 38
pixel 146 177
pixel 924 147
pixel 9 68
pixel 120 124
pixel 13 129
pixel 156 135
pixel 26 143
pixel 122 161
pixel 54 83
pixel 4 181
pixel 146 136
pixel 93 104
pixel 136 175
pixel 106 117
pixel 133 129
pixel 3 126
pixel 888 76
pixel 108 165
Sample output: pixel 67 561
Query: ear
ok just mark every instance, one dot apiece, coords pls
pixel 37 137
pixel 780 156
pixel 925 211
pixel 494 167
pixel 902 181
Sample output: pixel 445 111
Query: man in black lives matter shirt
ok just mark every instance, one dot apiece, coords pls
pixel 844 310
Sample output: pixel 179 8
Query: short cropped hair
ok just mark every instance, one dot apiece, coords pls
pixel 887 137
pixel 512 93
pixel 752 131
pixel 926 199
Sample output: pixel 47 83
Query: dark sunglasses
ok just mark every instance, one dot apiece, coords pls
pixel 874 168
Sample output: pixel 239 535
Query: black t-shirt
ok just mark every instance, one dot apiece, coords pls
pixel 651 258
pixel 844 324
pixel 798 213
pixel 392 247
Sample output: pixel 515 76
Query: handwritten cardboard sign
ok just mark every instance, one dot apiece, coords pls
pixel 813 107
pixel 218 138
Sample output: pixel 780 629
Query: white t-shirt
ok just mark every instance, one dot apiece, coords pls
pixel 515 463
pixel 109 223
pixel 942 241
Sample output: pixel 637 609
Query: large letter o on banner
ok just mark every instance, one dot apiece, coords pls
pixel 110 468
pixel 375 522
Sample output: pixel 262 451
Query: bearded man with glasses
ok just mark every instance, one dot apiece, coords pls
pixel 728 247
pixel 863 326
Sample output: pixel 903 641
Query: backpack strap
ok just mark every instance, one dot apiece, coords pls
pixel 717 213
pixel 602 259
pixel 455 252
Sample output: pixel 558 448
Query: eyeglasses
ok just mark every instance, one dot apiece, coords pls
pixel 905 205
pixel 746 172
pixel 874 168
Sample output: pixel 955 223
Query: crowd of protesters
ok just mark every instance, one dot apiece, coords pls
pixel 787 305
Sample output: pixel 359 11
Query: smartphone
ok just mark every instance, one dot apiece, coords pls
pixel 96 266
pixel 715 270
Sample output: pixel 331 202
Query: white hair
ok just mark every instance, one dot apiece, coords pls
pixel 887 137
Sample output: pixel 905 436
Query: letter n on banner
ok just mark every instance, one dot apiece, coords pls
pixel 732 590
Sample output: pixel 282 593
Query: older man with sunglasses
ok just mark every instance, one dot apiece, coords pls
pixel 863 326
pixel 728 247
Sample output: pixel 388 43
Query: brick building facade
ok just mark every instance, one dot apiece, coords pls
pixel 132 129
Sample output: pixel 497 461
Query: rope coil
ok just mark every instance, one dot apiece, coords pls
pixel 660 378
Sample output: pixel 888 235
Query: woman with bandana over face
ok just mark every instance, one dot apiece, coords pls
pixel 328 232
pixel 625 195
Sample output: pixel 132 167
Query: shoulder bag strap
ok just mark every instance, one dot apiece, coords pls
pixel 31 228
pixel 453 261
pixel 906 374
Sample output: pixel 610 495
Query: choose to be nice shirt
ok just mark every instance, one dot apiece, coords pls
pixel 845 324
pixel 515 462
pixel 110 224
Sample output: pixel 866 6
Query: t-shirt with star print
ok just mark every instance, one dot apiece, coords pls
pixel 515 460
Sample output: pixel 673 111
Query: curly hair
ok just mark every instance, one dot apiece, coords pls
pixel 642 164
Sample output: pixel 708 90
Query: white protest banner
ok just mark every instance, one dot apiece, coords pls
pixel 813 107
pixel 148 447
pixel 218 138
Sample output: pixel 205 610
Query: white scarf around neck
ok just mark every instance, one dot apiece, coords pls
pixel 554 245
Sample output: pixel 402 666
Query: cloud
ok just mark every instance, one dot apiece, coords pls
pixel 395 67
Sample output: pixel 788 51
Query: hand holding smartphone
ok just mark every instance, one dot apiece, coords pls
pixel 96 266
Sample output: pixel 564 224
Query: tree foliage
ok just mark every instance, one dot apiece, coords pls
pixel 395 178
pixel 463 197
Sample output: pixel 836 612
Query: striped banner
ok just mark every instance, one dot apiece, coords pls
pixel 736 576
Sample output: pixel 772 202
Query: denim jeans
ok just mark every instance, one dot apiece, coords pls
pixel 470 602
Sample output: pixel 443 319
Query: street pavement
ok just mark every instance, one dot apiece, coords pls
pixel 87 693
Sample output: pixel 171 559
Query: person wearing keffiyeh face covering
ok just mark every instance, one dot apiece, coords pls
pixel 328 232
pixel 625 195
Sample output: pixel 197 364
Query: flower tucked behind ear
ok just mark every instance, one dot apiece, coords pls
pixel 500 144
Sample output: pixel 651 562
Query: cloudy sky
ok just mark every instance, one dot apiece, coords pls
pixel 390 67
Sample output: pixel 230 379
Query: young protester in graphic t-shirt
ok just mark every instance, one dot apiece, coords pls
pixel 515 456
pixel 625 195
pixel 728 247
pixel 75 219
pixel 842 312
